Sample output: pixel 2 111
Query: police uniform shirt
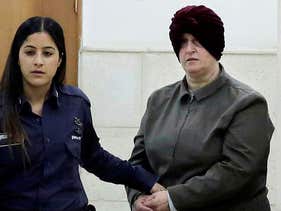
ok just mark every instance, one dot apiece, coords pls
pixel 58 141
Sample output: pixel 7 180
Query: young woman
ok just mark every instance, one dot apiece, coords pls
pixel 46 129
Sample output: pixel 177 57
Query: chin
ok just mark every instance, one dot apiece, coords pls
pixel 39 84
pixel 193 71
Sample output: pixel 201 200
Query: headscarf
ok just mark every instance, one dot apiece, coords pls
pixel 203 23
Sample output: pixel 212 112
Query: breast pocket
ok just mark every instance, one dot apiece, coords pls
pixel 74 148
pixel 74 138
pixel 10 155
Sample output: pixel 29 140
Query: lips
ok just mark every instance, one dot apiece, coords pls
pixel 191 59
pixel 37 72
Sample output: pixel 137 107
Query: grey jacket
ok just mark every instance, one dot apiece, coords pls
pixel 210 147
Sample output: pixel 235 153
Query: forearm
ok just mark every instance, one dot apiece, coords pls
pixel 216 186
pixel 138 157
pixel 112 169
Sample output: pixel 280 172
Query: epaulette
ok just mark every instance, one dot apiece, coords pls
pixel 74 91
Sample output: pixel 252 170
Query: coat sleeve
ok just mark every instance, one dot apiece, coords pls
pixel 108 167
pixel 244 155
pixel 138 156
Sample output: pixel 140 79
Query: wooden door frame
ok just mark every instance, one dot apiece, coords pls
pixel 64 11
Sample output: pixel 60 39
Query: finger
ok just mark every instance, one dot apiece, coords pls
pixel 149 198
pixel 144 208
pixel 156 187
pixel 139 206
pixel 155 202
pixel 150 203
pixel 142 198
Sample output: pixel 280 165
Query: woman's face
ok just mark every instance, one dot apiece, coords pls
pixel 38 60
pixel 194 58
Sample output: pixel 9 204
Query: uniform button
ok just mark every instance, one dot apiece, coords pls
pixel 36 120
pixel 47 140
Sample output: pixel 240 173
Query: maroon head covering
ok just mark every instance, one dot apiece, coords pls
pixel 203 23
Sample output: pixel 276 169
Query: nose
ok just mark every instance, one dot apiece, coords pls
pixel 190 47
pixel 38 60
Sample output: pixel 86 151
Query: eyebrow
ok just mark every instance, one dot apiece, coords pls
pixel 47 47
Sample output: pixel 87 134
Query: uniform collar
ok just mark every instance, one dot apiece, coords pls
pixel 205 91
pixel 53 99
pixel 53 96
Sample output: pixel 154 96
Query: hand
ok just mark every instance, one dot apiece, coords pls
pixel 139 204
pixel 158 201
pixel 157 187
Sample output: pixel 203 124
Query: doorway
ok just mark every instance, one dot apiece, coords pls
pixel 67 12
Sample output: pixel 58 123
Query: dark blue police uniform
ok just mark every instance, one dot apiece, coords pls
pixel 58 142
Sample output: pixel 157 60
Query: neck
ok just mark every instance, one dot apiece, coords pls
pixel 36 97
pixel 197 83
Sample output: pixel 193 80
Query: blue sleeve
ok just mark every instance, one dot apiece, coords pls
pixel 109 167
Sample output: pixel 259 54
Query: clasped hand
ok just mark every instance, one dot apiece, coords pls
pixel 158 201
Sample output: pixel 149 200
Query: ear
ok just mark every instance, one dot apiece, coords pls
pixel 59 62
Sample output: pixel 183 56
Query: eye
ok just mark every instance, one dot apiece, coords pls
pixel 184 43
pixel 29 53
pixel 197 43
pixel 47 53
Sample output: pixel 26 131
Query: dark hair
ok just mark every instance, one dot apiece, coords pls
pixel 11 83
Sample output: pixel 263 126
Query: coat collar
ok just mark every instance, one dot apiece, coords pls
pixel 205 91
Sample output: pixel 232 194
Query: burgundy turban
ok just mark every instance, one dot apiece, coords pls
pixel 203 23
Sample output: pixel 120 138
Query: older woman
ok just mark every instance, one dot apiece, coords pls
pixel 206 136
